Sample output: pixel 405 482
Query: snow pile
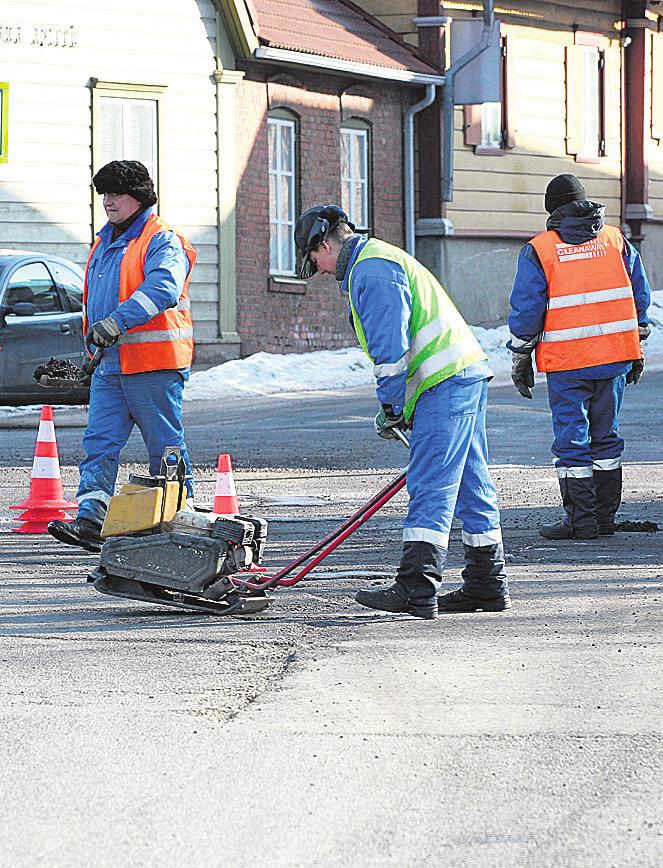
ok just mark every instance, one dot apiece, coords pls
pixel 270 374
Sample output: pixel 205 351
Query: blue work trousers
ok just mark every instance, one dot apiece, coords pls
pixel 448 473
pixel 585 416
pixel 153 402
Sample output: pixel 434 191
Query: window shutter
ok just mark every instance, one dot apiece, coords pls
pixel 140 134
pixel 110 135
pixel 472 124
pixel 575 74
pixel 657 86
pixel 508 97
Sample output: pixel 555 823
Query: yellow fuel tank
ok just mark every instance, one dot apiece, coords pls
pixel 139 508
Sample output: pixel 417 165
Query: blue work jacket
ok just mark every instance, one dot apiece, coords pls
pixel 166 269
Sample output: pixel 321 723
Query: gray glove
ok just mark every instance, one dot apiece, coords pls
pixel 103 333
pixel 522 373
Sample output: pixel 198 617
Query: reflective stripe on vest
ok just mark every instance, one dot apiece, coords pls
pixel 165 342
pixel 591 317
pixel 441 341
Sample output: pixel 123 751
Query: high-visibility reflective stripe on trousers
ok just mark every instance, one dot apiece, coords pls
pixel 574 472
pixel 487 538
pixel 425 534
pixel 607 464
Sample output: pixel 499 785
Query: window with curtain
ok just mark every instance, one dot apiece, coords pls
pixel 355 174
pixel 282 144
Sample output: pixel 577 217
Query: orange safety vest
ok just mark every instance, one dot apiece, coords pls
pixel 591 317
pixel 166 341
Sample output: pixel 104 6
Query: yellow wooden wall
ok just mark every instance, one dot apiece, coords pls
pixel 505 193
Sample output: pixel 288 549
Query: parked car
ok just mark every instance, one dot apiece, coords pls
pixel 41 316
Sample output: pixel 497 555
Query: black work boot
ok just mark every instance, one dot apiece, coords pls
pixel 608 487
pixel 485 587
pixel 459 601
pixel 397 598
pixel 579 501
pixel 81 532
pixel 416 584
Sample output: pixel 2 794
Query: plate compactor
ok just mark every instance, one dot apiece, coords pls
pixel 156 551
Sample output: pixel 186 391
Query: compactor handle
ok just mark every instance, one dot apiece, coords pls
pixel 400 435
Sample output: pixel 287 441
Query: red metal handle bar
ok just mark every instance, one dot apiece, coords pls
pixel 332 540
pixel 398 484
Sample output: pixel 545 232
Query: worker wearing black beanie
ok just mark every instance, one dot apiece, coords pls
pixel 579 304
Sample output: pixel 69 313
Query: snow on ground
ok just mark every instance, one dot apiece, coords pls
pixel 272 374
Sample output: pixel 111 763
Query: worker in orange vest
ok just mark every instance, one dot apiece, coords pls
pixel 579 301
pixel 136 305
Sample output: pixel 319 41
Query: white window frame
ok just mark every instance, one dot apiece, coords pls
pixel 352 179
pixel 282 220
pixel 125 92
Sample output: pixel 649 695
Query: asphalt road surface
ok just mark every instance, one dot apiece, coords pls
pixel 334 430
pixel 320 733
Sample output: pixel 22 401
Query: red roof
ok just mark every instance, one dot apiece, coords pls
pixel 334 28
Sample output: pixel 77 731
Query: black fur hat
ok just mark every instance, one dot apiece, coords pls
pixel 126 176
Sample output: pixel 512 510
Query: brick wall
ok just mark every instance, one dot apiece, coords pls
pixel 292 317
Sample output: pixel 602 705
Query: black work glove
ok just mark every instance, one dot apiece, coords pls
pixel 85 376
pixel 522 373
pixel 386 420
pixel 103 333
pixel 644 331
pixel 635 373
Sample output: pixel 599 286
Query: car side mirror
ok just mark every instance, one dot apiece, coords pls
pixel 22 308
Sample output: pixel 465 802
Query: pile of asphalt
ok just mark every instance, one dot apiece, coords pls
pixel 637 527
pixel 58 369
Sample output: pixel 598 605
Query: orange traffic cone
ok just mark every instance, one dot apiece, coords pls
pixel 225 496
pixel 45 501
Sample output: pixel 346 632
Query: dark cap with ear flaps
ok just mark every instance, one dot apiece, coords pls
pixel 313 227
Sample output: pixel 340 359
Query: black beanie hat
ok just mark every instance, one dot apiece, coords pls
pixel 562 189
pixel 126 176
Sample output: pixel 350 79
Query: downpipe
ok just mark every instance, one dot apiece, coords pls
pixel 408 130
